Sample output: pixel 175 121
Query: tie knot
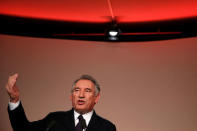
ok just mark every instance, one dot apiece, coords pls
pixel 80 117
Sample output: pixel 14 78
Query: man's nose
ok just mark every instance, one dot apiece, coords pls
pixel 81 94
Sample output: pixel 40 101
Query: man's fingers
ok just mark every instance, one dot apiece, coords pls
pixel 11 83
pixel 14 77
pixel 12 80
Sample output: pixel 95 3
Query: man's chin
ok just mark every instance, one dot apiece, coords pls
pixel 81 110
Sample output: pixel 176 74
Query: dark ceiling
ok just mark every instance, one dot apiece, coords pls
pixel 138 20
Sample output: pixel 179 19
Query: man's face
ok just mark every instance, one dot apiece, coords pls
pixel 83 96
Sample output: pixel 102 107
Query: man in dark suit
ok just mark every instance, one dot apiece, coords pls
pixel 84 95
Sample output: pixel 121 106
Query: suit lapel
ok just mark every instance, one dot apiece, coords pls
pixel 94 123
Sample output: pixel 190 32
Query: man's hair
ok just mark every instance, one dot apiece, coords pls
pixel 88 77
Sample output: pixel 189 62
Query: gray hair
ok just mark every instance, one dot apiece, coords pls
pixel 88 77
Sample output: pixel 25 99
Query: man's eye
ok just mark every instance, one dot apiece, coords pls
pixel 76 89
pixel 88 90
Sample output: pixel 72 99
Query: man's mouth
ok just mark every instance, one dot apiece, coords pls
pixel 80 102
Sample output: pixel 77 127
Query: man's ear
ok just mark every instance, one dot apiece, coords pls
pixel 97 98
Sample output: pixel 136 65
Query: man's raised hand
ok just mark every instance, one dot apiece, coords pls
pixel 12 89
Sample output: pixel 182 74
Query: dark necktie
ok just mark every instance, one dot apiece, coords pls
pixel 81 124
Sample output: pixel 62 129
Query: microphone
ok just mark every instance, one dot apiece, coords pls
pixel 50 125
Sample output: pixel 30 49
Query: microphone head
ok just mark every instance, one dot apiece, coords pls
pixel 50 125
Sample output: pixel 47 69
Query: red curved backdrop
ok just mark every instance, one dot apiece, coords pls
pixel 97 10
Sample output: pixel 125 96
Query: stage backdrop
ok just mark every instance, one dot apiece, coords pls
pixel 145 86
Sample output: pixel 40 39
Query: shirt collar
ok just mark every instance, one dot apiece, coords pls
pixel 86 116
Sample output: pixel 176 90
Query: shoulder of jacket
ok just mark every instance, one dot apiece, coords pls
pixel 59 114
pixel 103 120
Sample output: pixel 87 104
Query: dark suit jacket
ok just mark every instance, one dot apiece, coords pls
pixel 56 121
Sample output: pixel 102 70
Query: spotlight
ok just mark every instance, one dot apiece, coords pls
pixel 113 33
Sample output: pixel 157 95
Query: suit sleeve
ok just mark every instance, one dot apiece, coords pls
pixel 20 122
pixel 114 128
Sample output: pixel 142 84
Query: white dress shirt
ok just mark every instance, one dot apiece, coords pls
pixel 86 116
pixel 13 106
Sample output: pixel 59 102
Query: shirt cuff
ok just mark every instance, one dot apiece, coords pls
pixel 13 106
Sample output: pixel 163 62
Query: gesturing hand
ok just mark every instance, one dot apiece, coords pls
pixel 12 89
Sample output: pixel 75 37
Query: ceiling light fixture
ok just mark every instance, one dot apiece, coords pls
pixel 113 32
